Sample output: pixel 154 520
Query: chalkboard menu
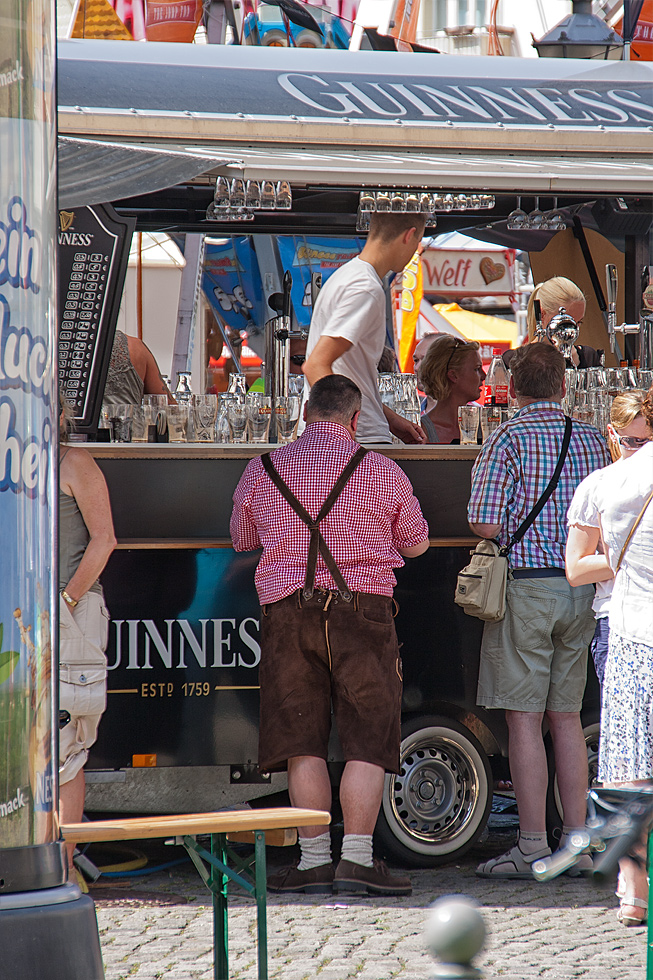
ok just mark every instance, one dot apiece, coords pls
pixel 93 250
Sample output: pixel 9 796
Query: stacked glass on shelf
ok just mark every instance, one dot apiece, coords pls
pixel 399 392
pixel 589 391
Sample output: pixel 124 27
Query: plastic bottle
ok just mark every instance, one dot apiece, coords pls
pixel 497 383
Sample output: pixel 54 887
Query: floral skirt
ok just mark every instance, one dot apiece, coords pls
pixel 626 741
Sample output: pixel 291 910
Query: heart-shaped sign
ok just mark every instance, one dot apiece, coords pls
pixel 491 271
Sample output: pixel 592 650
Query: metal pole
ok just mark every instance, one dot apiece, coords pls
pixel 28 441
pixel 188 301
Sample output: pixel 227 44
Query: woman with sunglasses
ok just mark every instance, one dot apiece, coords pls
pixel 628 431
pixel 604 508
pixel 451 374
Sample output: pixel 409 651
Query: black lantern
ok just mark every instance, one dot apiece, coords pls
pixel 581 35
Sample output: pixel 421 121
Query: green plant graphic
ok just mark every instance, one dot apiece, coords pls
pixel 8 659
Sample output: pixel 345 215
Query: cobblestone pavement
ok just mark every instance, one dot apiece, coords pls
pixel 161 926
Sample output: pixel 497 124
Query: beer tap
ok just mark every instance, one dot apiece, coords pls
pixel 611 285
pixel 643 352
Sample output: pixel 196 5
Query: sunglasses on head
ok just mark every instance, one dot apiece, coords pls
pixel 459 343
pixel 631 442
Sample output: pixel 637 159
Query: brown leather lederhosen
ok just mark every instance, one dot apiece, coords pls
pixel 317 544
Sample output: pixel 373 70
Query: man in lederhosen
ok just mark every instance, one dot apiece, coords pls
pixel 333 521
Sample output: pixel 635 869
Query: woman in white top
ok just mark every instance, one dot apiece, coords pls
pixel 626 740
pixel 628 431
pixel 451 374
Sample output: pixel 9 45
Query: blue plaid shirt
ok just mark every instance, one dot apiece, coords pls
pixel 513 470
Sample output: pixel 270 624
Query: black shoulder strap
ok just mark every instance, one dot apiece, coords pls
pixel 317 544
pixel 553 482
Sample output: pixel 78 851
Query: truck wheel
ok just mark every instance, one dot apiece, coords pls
pixel 438 805
pixel 553 804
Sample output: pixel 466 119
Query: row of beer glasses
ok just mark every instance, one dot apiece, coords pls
pixel 589 391
pixel 249 418
pixel 231 417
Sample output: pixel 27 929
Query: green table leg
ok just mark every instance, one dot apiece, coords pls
pixel 649 946
pixel 260 884
pixel 218 884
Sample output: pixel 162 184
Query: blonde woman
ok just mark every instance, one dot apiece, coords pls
pixel 614 502
pixel 552 294
pixel 451 374
pixel 628 431
pixel 86 540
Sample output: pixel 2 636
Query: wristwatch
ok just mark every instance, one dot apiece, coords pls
pixel 69 599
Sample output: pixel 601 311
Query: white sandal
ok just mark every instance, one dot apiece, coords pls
pixel 638 903
pixel 518 865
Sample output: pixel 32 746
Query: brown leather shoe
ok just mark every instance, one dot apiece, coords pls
pixel 356 879
pixel 315 881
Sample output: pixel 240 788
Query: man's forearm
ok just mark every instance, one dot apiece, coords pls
pixel 314 369
pixel 486 530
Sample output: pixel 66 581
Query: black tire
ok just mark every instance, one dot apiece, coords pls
pixel 438 805
pixel 553 804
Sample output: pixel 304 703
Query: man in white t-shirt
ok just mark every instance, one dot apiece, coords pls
pixel 347 332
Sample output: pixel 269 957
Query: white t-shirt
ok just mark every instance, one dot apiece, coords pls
pixel 351 304
pixel 584 511
pixel 620 496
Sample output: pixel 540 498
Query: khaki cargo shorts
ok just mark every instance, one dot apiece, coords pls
pixel 83 635
pixel 535 658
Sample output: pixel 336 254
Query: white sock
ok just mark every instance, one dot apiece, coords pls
pixel 358 848
pixel 566 833
pixel 315 851
pixel 530 843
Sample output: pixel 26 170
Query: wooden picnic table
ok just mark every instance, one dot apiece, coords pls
pixel 219 864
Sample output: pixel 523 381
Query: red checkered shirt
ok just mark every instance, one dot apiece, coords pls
pixel 375 515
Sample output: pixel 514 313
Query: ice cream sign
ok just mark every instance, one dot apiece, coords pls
pixel 468 272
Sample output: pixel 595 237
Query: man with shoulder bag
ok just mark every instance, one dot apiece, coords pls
pixel 534 658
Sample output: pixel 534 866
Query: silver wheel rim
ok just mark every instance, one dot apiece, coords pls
pixel 433 802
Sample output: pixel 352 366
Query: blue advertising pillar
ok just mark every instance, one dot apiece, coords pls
pixel 47 928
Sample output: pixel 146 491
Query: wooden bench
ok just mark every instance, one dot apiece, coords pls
pixel 213 865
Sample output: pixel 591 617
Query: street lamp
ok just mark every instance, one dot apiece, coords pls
pixel 580 35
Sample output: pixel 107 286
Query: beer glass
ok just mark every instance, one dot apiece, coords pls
pixel 177 416
pixel 468 424
pixel 160 404
pixel 490 420
pixel 259 416
pixel 237 419
pixel 222 433
pixel 286 411
pixel 387 390
pixel 120 417
pixel 204 409
pixel 296 384
pixel 143 423
pixel 237 384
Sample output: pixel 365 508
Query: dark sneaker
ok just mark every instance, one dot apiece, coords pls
pixel 356 879
pixel 315 881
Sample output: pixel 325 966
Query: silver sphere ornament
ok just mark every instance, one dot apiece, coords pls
pixel 562 330
pixel 454 934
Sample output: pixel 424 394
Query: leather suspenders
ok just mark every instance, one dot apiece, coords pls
pixel 317 544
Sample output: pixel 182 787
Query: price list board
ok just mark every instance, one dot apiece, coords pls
pixel 93 250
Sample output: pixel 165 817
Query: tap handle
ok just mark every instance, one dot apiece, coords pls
pixel 611 283
pixel 537 310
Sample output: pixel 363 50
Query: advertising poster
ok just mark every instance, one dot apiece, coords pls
pixel 232 285
pixel 27 418
pixel 305 256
